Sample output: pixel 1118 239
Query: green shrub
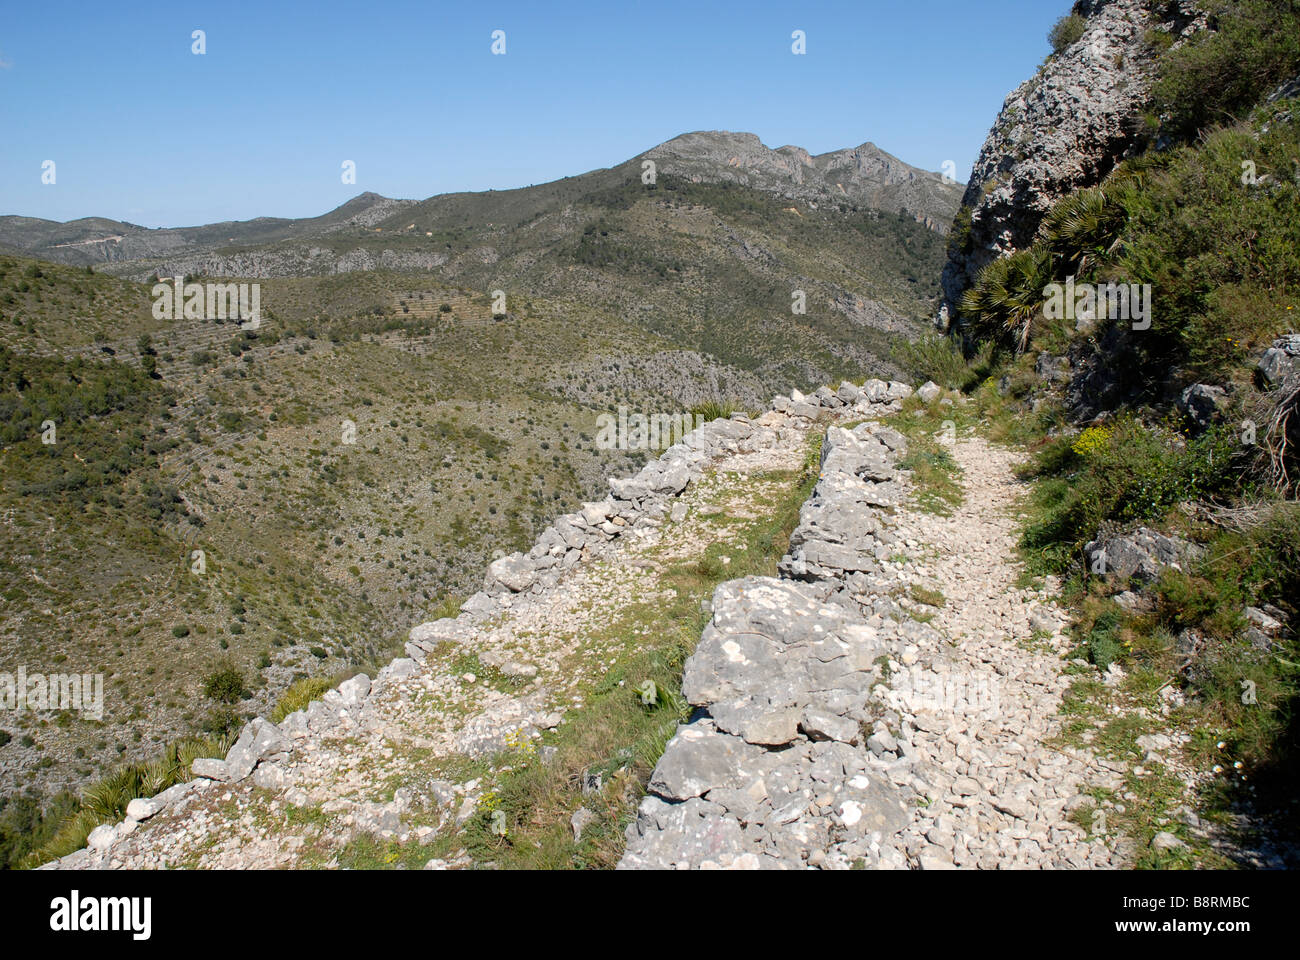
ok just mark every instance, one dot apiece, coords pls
pixel 225 685
pixel 1104 646
pixel 1219 74
pixel 1066 31
pixel 1006 302
pixel 1217 252
pixel 938 358
pixel 1131 475
pixel 714 410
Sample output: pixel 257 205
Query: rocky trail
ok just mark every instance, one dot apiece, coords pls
pixel 895 710
pixel 888 701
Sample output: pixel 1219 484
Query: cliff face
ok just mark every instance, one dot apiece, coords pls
pixel 1062 130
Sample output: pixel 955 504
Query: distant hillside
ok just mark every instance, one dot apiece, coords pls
pixel 473 426
pixel 864 176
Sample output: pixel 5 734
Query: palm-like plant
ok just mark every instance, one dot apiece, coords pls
pixel 1008 295
pixel 1082 228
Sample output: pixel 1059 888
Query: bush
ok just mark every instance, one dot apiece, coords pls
pixel 1220 73
pixel 1066 31
pixel 1104 646
pixel 1129 475
pixel 938 358
pixel 1005 305
pixel 714 410
pixel 225 685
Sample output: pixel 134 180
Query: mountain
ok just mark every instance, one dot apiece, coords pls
pixel 863 176
pixel 95 240
pixel 473 424
pixel 866 175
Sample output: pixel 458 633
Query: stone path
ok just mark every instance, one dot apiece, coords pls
pixel 850 714
pixel 383 758
pixel 887 703
pixel 980 703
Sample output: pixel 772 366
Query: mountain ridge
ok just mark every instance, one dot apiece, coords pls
pixel 864 174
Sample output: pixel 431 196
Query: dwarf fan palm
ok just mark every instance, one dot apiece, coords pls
pixel 1008 296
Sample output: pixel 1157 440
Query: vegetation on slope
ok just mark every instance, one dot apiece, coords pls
pixel 1208 220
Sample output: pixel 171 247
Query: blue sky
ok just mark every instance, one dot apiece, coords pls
pixel 143 130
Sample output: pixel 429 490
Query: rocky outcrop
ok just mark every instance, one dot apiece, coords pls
pixel 1064 129
pixel 1140 555
pixel 864 176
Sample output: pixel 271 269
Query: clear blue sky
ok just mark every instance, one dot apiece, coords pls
pixel 143 130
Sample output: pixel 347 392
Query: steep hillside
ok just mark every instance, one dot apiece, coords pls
pixel 1064 128
pixel 1159 396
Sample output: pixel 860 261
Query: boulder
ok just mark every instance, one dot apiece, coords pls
pixel 516 573
pixel 826 398
pixel 354 690
pixel 848 393
pixel 1203 404
pixel 698 760
pixel 818 725
pixel 142 808
pixel 102 837
pixel 260 739
pixel 480 606
pixel 210 769
pixel 1139 555
pixel 1280 360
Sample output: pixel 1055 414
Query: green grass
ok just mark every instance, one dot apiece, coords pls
pixel 299 695
pixel 1125 473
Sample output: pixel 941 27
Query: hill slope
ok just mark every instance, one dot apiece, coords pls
pixel 354 463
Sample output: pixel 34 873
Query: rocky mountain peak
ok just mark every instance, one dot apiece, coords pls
pixel 862 176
